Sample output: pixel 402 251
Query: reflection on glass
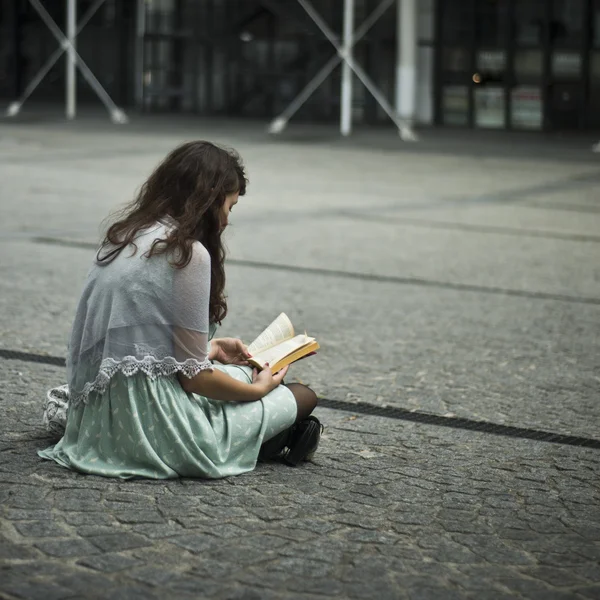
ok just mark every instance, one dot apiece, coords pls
pixel 526 107
pixel 455 59
pixel 529 20
pixel 595 67
pixel 425 24
pixel 455 105
pixel 566 26
pixel 456 24
pixel 566 64
pixel 528 63
pixel 160 19
pixel 489 107
pixel 492 21
pixel 594 115
pixel 596 24
pixel 491 61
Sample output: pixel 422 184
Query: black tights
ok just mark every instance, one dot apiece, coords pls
pixel 306 399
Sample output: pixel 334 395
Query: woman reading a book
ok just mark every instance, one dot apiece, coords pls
pixel 149 395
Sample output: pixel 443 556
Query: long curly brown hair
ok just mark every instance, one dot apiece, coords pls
pixel 190 186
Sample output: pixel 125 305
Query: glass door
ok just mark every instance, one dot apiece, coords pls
pixel 526 95
pixel 568 41
pixel 10 50
pixel 165 37
pixel 593 107
pixel 489 79
pixel 455 62
pixel 473 63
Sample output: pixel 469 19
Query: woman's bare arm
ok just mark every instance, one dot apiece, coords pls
pixel 220 386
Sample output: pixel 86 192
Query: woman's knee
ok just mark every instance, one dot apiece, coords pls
pixel 306 399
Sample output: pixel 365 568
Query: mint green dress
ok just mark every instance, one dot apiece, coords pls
pixel 139 323
pixel 150 427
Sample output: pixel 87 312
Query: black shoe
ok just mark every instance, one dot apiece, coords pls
pixel 304 441
pixel 276 445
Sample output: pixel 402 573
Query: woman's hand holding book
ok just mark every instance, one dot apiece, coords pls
pixel 267 380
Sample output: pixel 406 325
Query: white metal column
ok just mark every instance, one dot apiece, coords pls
pixel 71 61
pixel 279 123
pixel 346 90
pixel 343 55
pixel 406 65
pixel 67 44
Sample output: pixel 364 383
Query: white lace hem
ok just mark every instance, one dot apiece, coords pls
pixel 130 365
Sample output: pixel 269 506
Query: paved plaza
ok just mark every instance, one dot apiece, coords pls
pixel 454 286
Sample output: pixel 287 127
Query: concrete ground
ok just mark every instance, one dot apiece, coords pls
pixel 459 278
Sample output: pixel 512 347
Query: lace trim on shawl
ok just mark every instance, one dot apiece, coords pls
pixel 130 365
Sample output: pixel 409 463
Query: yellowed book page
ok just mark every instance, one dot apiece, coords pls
pixel 276 353
pixel 279 330
pixel 296 355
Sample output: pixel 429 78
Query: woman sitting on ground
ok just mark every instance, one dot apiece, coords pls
pixel 149 394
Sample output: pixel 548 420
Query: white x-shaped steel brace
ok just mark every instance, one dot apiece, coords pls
pixel 343 54
pixel 116 114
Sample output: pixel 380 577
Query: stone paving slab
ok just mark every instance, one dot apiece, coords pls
pixel 483 259
pixel 386 509
pixel 79 167
pixel 481 145
pixel 300 197
pixel 518 361
pixel 526 222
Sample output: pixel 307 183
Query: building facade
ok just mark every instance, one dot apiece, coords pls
pixel 490 64
pixel 520 64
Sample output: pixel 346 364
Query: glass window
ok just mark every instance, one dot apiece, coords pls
pixel 526 107
pixel 529 22
pixel 6 58
pixel 455 60
pixel 455 105
pixel 489 107
pixel 491 61
pixel 566 64
pixel 595 68
pixel 457 22
pixel 594 112
pixel 425 20
pixel 596 24
pixel 566 26
pixel 528 63
pixel 492 22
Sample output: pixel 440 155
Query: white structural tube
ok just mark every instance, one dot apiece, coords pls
pixel 406 64
pixel 279 123
pixel 346 91
pixel 71 78
pixel 67 44
pixel 343 54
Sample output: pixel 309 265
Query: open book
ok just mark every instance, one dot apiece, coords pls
pixel 279 346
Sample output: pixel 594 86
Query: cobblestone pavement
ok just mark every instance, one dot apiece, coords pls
pixel 437 281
